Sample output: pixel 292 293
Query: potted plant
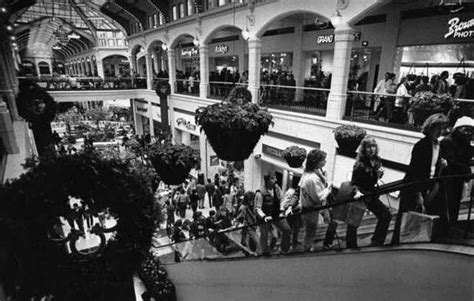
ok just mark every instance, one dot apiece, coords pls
pixel 348 138
pixel 425 104
pixel 162 88
pixel 294 156
pixel 35 104
pixel 172 162
pixel 234 126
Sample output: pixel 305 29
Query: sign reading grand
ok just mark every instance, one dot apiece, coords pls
pixel 458 29
pixel 327 39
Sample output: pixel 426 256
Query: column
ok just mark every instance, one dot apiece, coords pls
pixel 164 65
pixel 172 69
pixel 343 39
pixel 155 62
pixel 186 138
pixel 88 69
pixel 116 69
pixel 92 67
pixel 149 71
pixel 150 117
pixel 390 41
pixel 204 71
pixel 298 64
pixel 204 156
pixel 255 49
pixel 100 68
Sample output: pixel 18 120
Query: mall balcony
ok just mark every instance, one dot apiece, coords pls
pixel 315 65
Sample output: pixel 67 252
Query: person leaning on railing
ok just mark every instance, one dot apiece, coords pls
pixel 456 149
pixel 314 190
pixel 365 175
pixel 425 163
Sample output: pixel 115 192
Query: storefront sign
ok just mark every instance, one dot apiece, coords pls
pixel 326 39
pixel 272 151
pixel 141 109
pixel 189 52
pixel 222 49
pixel 187 124
pixel 458 29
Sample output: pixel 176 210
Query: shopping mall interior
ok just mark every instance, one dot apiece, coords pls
pixel 149 148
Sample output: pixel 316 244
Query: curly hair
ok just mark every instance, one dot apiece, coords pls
pixel 433 121
pixel 313 159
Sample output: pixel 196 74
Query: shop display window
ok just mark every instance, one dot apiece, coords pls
pixel 277 62
pixel 431 60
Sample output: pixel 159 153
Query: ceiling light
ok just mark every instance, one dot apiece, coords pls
pixel 14 44
pixel 13 38
pixel 9 27
pixel 246 34
pixel 3 9
pixel 164 46
pixel 336 19
pixel 74 36
pixel 196 41
pixel 56 47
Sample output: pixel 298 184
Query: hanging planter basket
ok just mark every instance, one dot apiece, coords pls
pixel 162 88
pixel 348 137
pixel 425 104
pixel 172 162
pixel 34 103
pixel 234 126
pixel 294 156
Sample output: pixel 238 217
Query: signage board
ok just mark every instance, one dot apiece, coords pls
pixel 222 49
pixel 325 39
pixel 272 151
pixel 189 52
pixel 460 29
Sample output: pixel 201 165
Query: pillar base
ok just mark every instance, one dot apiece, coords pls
pixel 334 110
pixel 203 90
pixel 252 173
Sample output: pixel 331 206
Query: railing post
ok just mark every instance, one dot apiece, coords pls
pixel 149 72
pixel 172 69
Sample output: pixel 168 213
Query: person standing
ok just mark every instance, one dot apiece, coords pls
pixel 289 207
pixel 246 217
pixel 267 207
pixel 201 192
pixel 365 175
pixel 314 190
pixel 194 200
pixel 183 201
pixel 442 87
pixel 217 199
pixel 170 210
pixel 210 188
pixel 425 163
pixel 456 149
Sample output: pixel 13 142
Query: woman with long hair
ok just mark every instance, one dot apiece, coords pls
pixel 365 175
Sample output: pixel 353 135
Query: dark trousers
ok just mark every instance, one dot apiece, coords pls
pixel 265 228
pixel 295 223
pixel 182 210
pixel 383 221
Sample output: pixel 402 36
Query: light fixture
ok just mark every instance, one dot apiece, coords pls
pixel 74 36
pixel 56 47
pixel 13 38
pixel 3 9
pixel 9 27
pixel 14 44
pixel 336 19
pixel 196 41
pixel 164 46
pixel 246 34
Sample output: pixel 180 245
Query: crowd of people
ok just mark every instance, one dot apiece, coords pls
pixel 397 109
pixel 269 215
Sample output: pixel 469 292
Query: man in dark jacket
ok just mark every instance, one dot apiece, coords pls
pixel 456 149
pixel 210 188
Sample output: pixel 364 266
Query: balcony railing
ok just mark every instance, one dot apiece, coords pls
pixel 293 98
pixel 220 90
pixel 88 83
pixel 187 87
pixel 379 109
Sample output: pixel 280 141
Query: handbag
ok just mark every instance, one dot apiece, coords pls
pixel 351 213
pixel 417 227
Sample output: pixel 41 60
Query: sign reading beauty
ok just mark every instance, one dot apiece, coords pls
pixel 186 124
pixel 189 52
pixel 458 29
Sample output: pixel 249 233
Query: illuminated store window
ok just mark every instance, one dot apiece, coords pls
pixel 174 13
pixel 181 10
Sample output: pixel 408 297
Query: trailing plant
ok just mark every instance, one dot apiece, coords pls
pixel 156 280
pixel 162 88
pixel 234 126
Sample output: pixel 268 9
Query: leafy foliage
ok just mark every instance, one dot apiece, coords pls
pixel 431 101
pixel 349 131
pixel 156 280
pixel 239 95
pixel 294 151
pixel 29 204
pixel 162 88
